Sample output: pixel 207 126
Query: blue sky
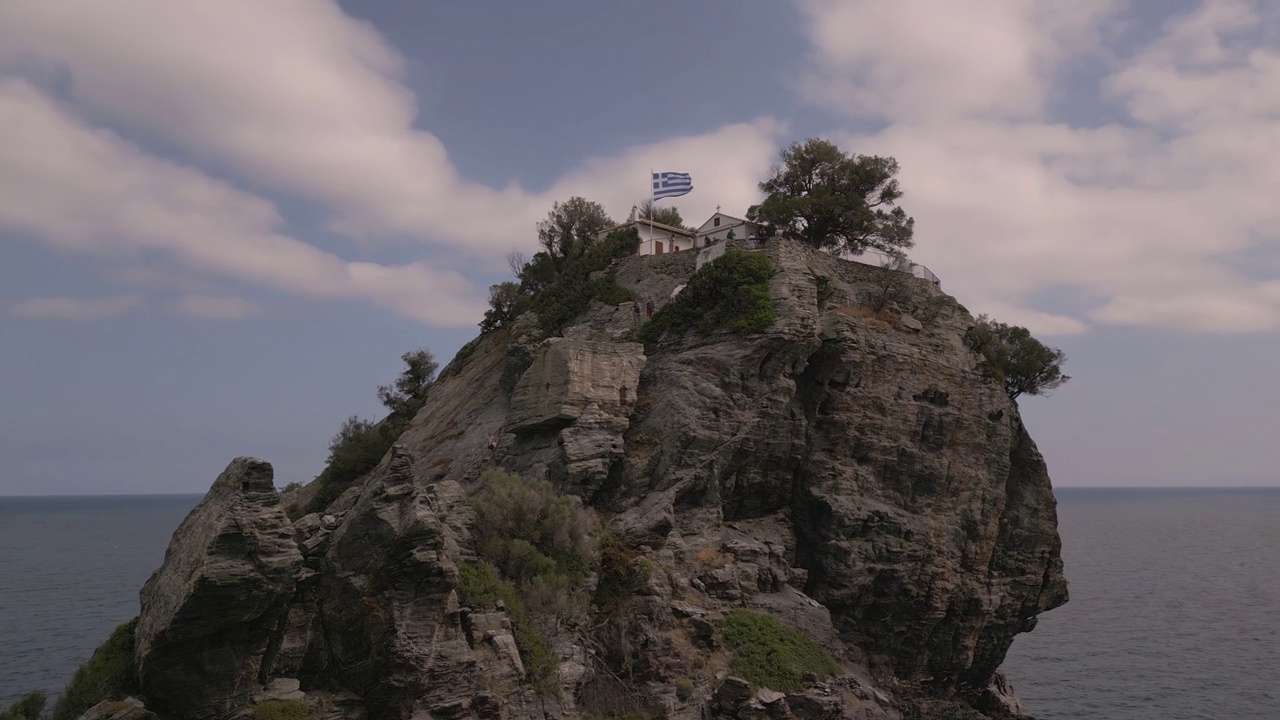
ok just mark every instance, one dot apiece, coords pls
pixel 218 235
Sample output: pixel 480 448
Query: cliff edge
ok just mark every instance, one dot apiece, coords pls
pixel 849 472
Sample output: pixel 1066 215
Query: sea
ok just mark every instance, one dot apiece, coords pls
pixel 1174 611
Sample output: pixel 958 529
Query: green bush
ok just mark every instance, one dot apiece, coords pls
pixel 572 286
pixel 27 707
pixel 770 654
pixel 480 586
pixel 110 674
pixel 281 710
pixel 528 531
pixel 1024 364
pixel 621 575
pixel 729 293
pixel 356 450
pixel 537 549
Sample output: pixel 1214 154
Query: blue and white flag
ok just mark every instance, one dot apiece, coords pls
pixel 671 184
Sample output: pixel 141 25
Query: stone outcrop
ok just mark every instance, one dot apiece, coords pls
pixel 210 614
pixel 127 709
pixel 849 471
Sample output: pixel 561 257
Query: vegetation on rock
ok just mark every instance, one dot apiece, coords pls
pixel 1024 364
pixel 479 585
pixel 109 674
pixel 360 444
pixel 570 227
pixel 729 293
pixel 536 548
pixel 27 707
pixel 571 271
pixel 281 710
pixel 770 654
pixel 830 200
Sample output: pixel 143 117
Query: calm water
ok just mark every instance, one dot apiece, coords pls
pixel 70 571
pixel 1174 612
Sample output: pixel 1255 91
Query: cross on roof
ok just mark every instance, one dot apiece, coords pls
pixel 717 208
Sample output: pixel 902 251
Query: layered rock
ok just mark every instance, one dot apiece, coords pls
pixel 210 620
pixel 849 471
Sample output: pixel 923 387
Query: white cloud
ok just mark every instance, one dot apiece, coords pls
pixel 215 307
pixel 75 308
pixel 86 190
pixel 1142 222
pixel 310 102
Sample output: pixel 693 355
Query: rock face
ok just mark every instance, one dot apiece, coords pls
pixel 210 614
pixel 849 471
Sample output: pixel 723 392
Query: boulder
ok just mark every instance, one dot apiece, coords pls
pixel 210 620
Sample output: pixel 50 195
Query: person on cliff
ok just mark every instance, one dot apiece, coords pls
pixel 648 308
pixel 635 311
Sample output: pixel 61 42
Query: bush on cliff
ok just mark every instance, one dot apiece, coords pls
pixel 27 707
pixel 770 654
pixel 110 674
pixel 1024 364
pixel 729 293
pixel 572 270
pixel 583 279
pixel 480 586
pixel 360 444
pixel 536 550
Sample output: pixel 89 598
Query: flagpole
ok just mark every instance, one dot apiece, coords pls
pixel 652 208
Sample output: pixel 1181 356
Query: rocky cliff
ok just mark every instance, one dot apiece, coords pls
pixel 849 472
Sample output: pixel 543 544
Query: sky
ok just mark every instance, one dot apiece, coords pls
pixel 221 224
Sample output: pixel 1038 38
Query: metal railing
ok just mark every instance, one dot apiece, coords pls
pixel 879 259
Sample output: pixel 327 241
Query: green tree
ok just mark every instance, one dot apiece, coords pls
pixel 1025 365
pixel 571 227
pixel 823 197
pixel 669 215
pixel 409 392
pixel 506 301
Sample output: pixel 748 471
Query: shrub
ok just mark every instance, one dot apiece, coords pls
pixel 537 550
pixel 480 586
pixel 684 689
pixel 576 283
pixel 27 707
pixel 621 574
pixel 528 531
pixel 1012 355
pixel 110 674
pixel 281 710
pixel 356 450
pixel 770 654
pixel 730 293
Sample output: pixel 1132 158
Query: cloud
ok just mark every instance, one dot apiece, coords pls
pixel 75 308
pixel 215 307
pixel 86 190
pixel 311 103
pixel 1143 222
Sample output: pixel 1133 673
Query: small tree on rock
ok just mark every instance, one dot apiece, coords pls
pixel 571 227
pixel 409 392
pixel 1023 363
pixel 830 200
pixel 669 215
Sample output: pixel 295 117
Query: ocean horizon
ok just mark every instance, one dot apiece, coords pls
pixel 1174 610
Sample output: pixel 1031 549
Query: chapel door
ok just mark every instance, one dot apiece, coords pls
pixel 657 247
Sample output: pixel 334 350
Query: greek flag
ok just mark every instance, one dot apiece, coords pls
pixel 671 184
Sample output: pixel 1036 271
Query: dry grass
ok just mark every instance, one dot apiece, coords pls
pixel 711 557
pixel 879 318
